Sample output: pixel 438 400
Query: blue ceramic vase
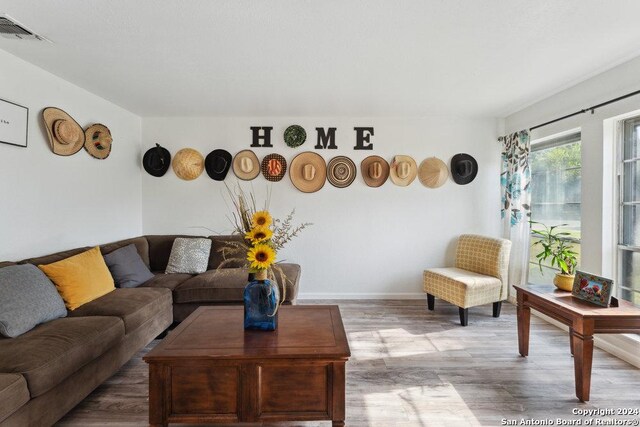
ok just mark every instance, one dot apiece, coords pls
pixel 261 298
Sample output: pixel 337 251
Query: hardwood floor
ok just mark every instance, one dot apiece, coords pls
pixel 412 367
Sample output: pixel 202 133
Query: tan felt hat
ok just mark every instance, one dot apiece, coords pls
pixel 341 171
pixel 433 172
pixel 308 172
pixel 403 170
pixel 188 164
pixel 246 165
pixel 66 136
pixel 374 170
pixel 98 141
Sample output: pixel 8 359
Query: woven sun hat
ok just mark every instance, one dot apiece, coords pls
pixel 98 141
pixel 246 165
pixel 374 170
pixel 464 168
pixel 217 164
pixel 274 166
pixel 308 172
pixel 156 161
pixel 66 136
pixel 188 164
pixel 403 170
pixel 433 172
pixel 341 171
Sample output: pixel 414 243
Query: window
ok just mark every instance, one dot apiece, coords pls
pixel 629 208
pixel 556 179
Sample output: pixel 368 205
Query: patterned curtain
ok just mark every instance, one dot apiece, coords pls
pixel 515 182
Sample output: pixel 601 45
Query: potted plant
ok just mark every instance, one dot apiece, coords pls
pixel 555 246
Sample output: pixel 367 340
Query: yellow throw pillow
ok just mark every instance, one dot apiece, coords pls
pixel 80 278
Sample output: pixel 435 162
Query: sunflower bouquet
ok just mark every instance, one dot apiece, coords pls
pixel 263 236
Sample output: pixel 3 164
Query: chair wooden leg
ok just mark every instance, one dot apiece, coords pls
pixel 496 308
pixel 430 301
pixel 464 316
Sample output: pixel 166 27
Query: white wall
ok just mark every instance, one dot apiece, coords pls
pixel 598 151
pixel 365 242
pixel 48 202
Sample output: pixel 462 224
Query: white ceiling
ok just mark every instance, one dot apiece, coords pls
pixel 326 58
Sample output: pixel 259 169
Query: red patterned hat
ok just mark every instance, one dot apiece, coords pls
pixel 274 167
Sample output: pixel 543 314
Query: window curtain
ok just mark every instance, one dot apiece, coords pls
pixel 515 182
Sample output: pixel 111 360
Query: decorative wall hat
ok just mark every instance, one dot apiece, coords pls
pixel 188 164
pixel 294 136
pixel 246 165
pixel 308 172
pixel 217 164
pixel 374 170
pixel 341 171
pixel 156 161
pixel 274 166
pixel 433 172
pixel 66 136
pixel 403 170
pixel 464 168
pixel 98 141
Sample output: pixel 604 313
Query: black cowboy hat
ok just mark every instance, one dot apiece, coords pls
pixel 217 164
pixel 156 160
pixel 464 168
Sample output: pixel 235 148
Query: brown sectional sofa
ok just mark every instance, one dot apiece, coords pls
pixel 45 372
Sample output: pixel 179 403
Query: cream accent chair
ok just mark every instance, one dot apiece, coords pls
pixel 479 277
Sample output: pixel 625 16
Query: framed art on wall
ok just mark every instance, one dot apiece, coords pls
pixel 14 123
pixel 592 288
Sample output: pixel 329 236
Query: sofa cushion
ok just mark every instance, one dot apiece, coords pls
pixel 160 249
pixel 13 394
pixel 27 298
pixel 58 256
pixel 127 267
pixel 133 306
pixel 189 255
pixel 141 244
pixel 52 351
pixel 168 281
pixel 222 285
pixel 216 257
pixel 80 278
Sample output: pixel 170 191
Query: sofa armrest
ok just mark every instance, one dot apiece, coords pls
pixel 292 272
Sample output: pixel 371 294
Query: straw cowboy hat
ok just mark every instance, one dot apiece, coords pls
pixel 66 136
pixel 464 168
pixel 308 172
pixel 433 172
pixel 341 171
pixel 98 141
pixel 156 161
pixel 274 166
pixel 374 170
pixel 246 165
pixel 188 164
pixel 403 170
pixel 217 164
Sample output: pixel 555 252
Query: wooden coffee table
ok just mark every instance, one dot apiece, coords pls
pixel 210 370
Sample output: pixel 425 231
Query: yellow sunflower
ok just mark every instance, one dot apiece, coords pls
pixel 259 234
pixel 261 257
pixel 262 219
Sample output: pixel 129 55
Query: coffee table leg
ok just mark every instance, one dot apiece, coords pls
pixel 339 383
pixel 582 333
pixel 524 320
pixel 157 417
pixel 337 423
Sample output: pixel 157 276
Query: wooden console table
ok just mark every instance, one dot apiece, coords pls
pixel 584 320
pixel 210 370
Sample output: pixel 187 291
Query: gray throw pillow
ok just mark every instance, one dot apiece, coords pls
pixel 127 267
pixel 27 298
pixel 189 255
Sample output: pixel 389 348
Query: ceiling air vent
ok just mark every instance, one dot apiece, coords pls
pixel 12 29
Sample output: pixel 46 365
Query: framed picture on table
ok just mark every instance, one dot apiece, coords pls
pixel 14 123
pixel 592 288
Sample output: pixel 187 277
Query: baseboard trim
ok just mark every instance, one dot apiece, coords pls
pixel 355 296
pixel 623 346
